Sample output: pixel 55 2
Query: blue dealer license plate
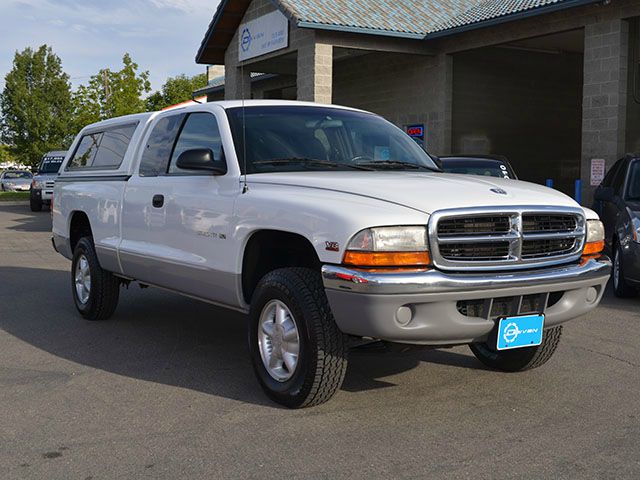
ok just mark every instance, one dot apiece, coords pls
pixel 519 332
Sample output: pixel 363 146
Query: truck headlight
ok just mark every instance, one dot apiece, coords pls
pixel 594 243
pixel 37 185
pixel 404 246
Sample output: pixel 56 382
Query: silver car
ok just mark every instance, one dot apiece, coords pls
pixel 15 181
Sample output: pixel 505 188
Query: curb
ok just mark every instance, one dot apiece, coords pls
pixel 15 203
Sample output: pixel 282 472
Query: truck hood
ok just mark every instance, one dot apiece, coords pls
pixel 45 176
pixel 423 191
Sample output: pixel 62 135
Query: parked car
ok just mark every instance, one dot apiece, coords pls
pixel 617 200
pixel 484 165
pixel 326 225
pixel 44 180
pixel 15 180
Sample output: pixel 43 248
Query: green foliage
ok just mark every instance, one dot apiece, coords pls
pixel 35 105
pixel 175 90
pixel 111 94
pixel 6 155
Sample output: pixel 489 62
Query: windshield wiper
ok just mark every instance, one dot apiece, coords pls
pixel 310 162
pixel 398 163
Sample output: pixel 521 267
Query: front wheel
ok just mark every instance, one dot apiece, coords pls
pixel 621 287
pixel 95 291
pixel 298 353
pixel 519 359
pixel 35 205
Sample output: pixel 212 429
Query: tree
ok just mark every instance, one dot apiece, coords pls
pixel 6 155
pixel 35 105
pixel 111 94
pixel 175 90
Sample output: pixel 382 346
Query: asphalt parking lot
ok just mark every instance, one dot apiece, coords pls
pixel 165 390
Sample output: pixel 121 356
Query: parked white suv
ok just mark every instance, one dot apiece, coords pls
pixel 326 225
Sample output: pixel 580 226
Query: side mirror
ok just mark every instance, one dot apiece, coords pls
pixel 604 194
pixel 200 159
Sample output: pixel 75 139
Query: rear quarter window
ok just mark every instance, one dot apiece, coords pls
pixel 102 149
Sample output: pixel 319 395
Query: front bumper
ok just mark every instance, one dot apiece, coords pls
pixel 43 195
pixel 427 307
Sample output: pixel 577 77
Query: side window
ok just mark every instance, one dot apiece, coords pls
pixel 104 149
pixel 113 146
pixel 199 131
pixel 86 151
pixel 608 178
pixel 618 179
pixel 157 151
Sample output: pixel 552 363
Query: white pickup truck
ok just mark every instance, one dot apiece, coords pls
pixel 327 226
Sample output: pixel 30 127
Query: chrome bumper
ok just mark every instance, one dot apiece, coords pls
pixel 423 308
pixel 435 281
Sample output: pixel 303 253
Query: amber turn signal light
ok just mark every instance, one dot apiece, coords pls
pixel 592 248
pixel 386 259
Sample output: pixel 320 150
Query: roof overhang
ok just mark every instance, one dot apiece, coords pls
pixel 229 15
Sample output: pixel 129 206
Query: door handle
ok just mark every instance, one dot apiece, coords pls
pixel 158 201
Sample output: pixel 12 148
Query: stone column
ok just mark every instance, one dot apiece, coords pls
pixel 604 102
pixel 235 82
pixel 315 72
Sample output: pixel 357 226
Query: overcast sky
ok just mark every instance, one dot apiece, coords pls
pixel 162 36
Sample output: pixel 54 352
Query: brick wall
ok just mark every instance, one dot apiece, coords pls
pixel 404 89
pixel 522 104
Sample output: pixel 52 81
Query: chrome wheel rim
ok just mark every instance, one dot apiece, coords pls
pixel 616 268
pixel 278 340
pixel 83 280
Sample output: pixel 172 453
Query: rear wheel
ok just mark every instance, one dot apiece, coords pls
pixel 298 353
pixel 95 291
pixel 621 287
pixel 519 359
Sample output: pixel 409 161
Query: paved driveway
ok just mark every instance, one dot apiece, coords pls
pixel 165 390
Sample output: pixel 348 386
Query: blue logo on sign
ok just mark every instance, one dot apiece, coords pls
pixel 516 332
pixel 246 40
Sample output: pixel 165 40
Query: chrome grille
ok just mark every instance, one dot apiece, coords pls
pixel 49 184
pixel 548 223
pixel 480 225
pixel 475 251
pixel 503 238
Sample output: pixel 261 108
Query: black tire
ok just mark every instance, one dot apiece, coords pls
pixel 105 287
pixel 323 348
pixel 621 287
pixel 519 359
pixel 36 205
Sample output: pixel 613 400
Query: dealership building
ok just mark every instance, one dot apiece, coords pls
pixel 554 85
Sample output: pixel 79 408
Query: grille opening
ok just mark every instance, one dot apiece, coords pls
pixel 547 247
pixel 479 225
pixel 537 223
pixel 554 297
pixel 471 308
pixel 503 306
pixel 475 251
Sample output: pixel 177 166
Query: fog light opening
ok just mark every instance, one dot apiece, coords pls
pixel 404 315
pixel 592 294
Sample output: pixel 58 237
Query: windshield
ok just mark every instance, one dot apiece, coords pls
pixel 300 138
pixel 480 166
pixel 633 189
pixel 14 175
pixel 50 164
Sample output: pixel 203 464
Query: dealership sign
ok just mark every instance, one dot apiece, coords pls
pixel 263 35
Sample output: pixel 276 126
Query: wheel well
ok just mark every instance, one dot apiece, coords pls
pixel 268 250
pixel 79 227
